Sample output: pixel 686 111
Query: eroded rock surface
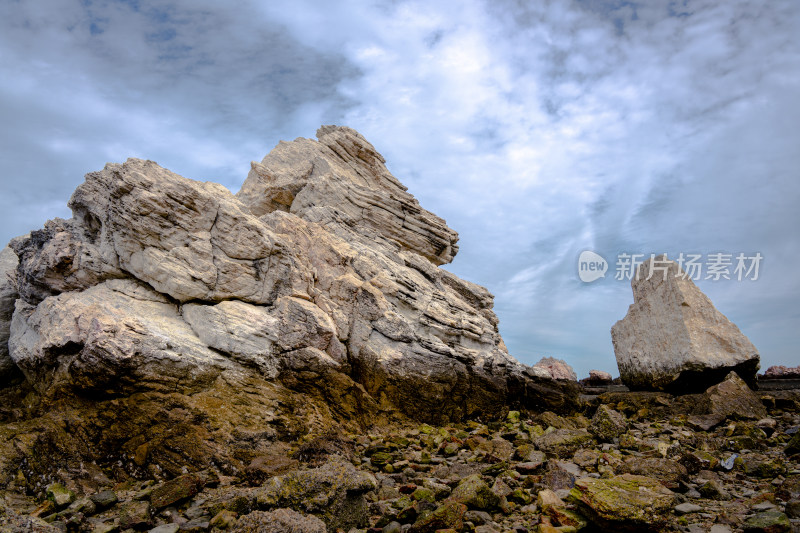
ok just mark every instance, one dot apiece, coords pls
pixel 673 338
pixel 8 295
pixel 313 297
pixel 341 182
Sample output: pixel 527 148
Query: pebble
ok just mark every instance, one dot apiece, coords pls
pixel 686 508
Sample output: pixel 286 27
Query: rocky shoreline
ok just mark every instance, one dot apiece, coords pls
pixel 627 461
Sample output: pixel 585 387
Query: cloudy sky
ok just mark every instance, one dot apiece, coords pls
pixel 537 129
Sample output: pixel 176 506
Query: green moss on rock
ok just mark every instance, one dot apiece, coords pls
pixel 623 503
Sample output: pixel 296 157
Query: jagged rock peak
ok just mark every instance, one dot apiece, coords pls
pixel 341 182
pixel 673 338
pixel 320 276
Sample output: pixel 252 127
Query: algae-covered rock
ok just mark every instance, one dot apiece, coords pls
pixel 793 446
pixel 135 515
pixel 767 522
pixel 60 495
pixel 607 424
pixel 449 515
pixel 669 472
pixel 334 492
pixel 475 493
pixel 563 442
pixel 623 503
pixel 278 521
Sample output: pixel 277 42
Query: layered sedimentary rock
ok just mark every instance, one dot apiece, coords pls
pixel 312 296
pixel 673 338
pixel 8 295
pixel 341 183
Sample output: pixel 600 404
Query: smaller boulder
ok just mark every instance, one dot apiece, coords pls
pixel 557 368
pixel 563 442
pixel 598 378
pixel 475 493
pixel 733 399
pixel 607 424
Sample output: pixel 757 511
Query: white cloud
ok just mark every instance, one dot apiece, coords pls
pixel 536 129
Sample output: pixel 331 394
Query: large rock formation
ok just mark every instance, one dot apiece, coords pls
pixel 312 296
pixel 674 339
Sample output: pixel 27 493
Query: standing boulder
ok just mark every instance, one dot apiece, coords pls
pixel 674 339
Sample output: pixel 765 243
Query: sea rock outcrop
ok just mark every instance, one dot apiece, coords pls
pixel 782 372
pixel 597 378
pixel 674 339
pixel 556 368
pixel 314 296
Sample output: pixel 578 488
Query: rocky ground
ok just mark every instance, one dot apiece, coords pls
pixel 630 461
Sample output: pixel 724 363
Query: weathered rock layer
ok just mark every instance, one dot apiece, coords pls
pixel 320 278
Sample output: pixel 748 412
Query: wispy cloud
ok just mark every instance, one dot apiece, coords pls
pixel 537 129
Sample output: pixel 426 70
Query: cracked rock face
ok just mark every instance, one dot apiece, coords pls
pixel 674 339
pixel 320 275
pixel 8 295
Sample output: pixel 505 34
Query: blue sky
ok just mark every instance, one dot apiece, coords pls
pixel 536 129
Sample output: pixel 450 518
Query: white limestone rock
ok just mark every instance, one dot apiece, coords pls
pixel 187 239
pixel 673 338
pixel 118 335
pixel 341 182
